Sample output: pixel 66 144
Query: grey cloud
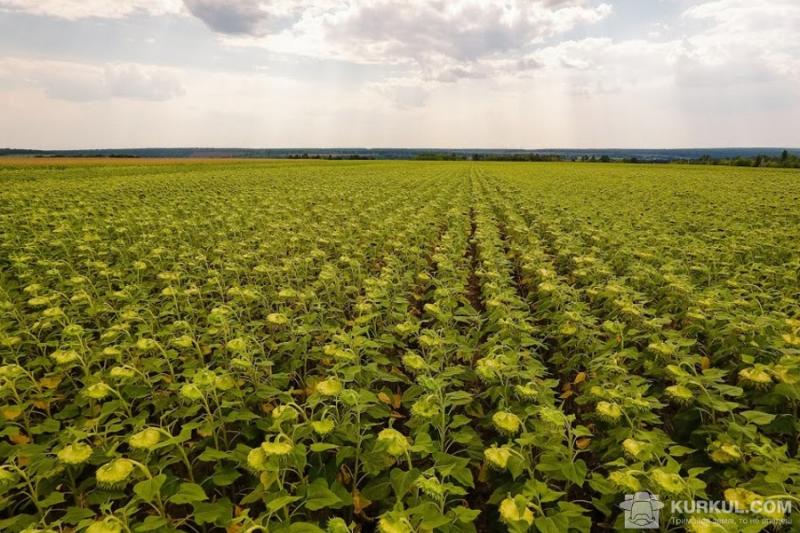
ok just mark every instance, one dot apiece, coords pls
pixel 239 17
pixel 458 35
pixel 474 31
pixel 408 30
pixel 528 63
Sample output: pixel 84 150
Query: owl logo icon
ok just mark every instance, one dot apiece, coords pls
pixel 641 510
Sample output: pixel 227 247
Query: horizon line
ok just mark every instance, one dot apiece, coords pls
pixel 418 148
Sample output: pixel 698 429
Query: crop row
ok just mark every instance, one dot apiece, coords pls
pixel 407 347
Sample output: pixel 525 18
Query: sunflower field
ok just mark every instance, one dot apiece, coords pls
pixel 395 346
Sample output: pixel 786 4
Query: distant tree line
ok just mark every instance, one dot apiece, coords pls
pixel 729 157
pixel 107 156
pixel 460 156
pixel 786 160
pixel 524 157
pixel 331 157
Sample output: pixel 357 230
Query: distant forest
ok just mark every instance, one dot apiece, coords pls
pixel 784 160
pixel 744 157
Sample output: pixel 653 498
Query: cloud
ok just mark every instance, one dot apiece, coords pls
pixel 449 41
pixel 424 42
pixel 765 32
pixel 243 17
pixel 752 47
pixel 413 72
pixel 79 82
pixel 434 40
pixel 80 9
pixel 462 30
pixel 731 46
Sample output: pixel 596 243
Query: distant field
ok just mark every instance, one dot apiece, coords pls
pixel 408 346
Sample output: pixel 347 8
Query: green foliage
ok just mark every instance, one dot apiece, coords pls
pixel 314 346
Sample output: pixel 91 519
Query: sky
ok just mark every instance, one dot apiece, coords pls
pixel 399 73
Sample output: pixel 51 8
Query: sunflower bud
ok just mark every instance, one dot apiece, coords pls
pixel 115 472
pixel 786 374
pixel 625 479
pixel 104 526
pixel 74 454
pixel 98 391
pixel 791 339
pixel 608 411
pixel 724 452
pixel 190 391
pixel 145 344
pixel 516 510
pixel 204 378
pixel 497 457
pixel 634 448
pixel 276 448
pixel 121 372
pixel 323 427
pixel 406 328
pixel 64 357
pixel 257 459
pixel 329 387
pixel 554 417
pixel 755 378
pixel 527 391
pixel 237 345
pixel 506 422
pixel 414 362
pixel 396 443
pixel 740 498
pixel 669 481
pixel 11 412
pixel 11 372
pixel 756 504
pixel 184 341
pixel 53 312
pixel 147 439
pixel 394 522
pixel 426 407
pixel 73 330
pixel 277 319
pixel 679 394
pixel 111 351
pixel 489 369
pixel 224 382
